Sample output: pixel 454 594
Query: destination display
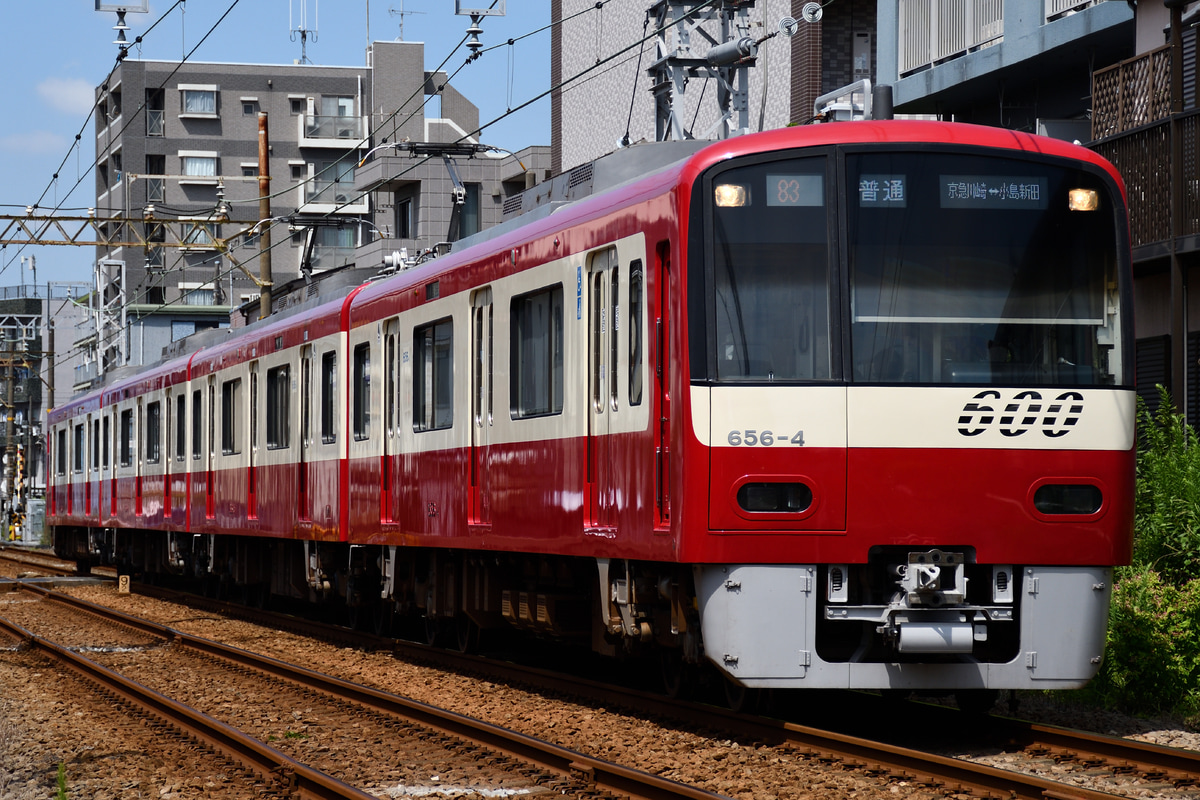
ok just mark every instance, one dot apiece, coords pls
pixel 992 191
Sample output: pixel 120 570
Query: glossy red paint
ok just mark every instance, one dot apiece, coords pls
pixel 672 499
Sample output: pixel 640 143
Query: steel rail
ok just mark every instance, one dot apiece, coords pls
pixel 904 763
pixel 602 775
pixel 271 764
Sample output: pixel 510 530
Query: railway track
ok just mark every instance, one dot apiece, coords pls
pixel 570 773
pixel 38 562
pixel 854 746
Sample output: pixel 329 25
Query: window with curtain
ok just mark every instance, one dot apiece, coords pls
pixel 199 101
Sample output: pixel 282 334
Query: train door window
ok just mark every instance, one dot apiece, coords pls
pixel 197 424
pixel 433 376
pixel 482 391
pixel 78 448
pixel 104 439
pixel 254 406
pixel 279 410
pixel 328 397
pixel 613 338
pixel 60 453
pixel 96 445
pixel 153 433
pixel 536 354
pixel 180 426
pixel 597 333
pixel 126 439
pixel 389 389
pixel 634 324
pixel 230 394
pixel 361 396
pixel 306 395
pixel 212 419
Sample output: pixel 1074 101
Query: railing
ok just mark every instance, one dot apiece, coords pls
pixel 1057 8
pixel 156 122
pixel 318 191
pixel 934 30
pixel 321 127
pixel 1132 93
pixel 1143 157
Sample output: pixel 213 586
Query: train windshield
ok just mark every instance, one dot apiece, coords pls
pixel 973 269
pixel 954 268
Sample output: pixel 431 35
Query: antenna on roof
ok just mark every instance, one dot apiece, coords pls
pixel 401 13
pixel 298 26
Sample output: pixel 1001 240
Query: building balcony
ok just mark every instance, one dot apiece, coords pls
pixel 332 197
pixel 1143 155
pixel 1132 93
pixel 338 132
pixel 932 31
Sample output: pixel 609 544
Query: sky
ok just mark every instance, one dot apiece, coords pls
pixel 56 52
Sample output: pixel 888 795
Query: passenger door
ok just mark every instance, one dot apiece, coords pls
pixel 481 406
pixel 603 387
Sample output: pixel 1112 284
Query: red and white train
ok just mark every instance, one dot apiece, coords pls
pixel 847 405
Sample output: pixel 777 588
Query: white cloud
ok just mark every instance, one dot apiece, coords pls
pixel 72 95
pixel 33 142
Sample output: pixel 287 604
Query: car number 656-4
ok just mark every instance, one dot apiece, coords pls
pixel 752 438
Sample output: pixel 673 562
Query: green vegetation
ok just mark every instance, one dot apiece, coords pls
pixel 1152 661
pixel 62 782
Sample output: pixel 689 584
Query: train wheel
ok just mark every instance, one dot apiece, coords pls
pixel 739 698
pixel 674 672
pixel 976 701
pixel 433 631
pixel 466 634
pixel 381 620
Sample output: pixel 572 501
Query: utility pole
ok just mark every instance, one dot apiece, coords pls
pixel 264 216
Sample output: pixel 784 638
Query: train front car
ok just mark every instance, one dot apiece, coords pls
pixel 911 383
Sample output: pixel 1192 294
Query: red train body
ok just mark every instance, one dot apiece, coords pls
pixel 844 405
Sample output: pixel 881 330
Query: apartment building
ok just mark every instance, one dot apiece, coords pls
pixel 178 166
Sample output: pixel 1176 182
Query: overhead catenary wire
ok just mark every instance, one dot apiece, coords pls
pixel 572 81
pixel 78 136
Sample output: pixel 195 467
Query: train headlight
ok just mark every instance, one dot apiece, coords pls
pixel 731 195
pixel 1083 200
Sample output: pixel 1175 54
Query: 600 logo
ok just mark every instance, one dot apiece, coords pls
pixel 1025 412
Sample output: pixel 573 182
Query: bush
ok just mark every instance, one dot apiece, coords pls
pixel 1167 516
pixel 1152 661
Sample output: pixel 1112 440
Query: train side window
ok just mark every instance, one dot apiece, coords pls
pixel 153 432
pixel 127 433
pixel 279 399
pixel 60 453
pixel 79 442
pixel 197 424
pixel 362 392
pixel 433 376
pixel 328 395
pixel 536 354
pixel 636 282
pixel 230 393
pixel 180 426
